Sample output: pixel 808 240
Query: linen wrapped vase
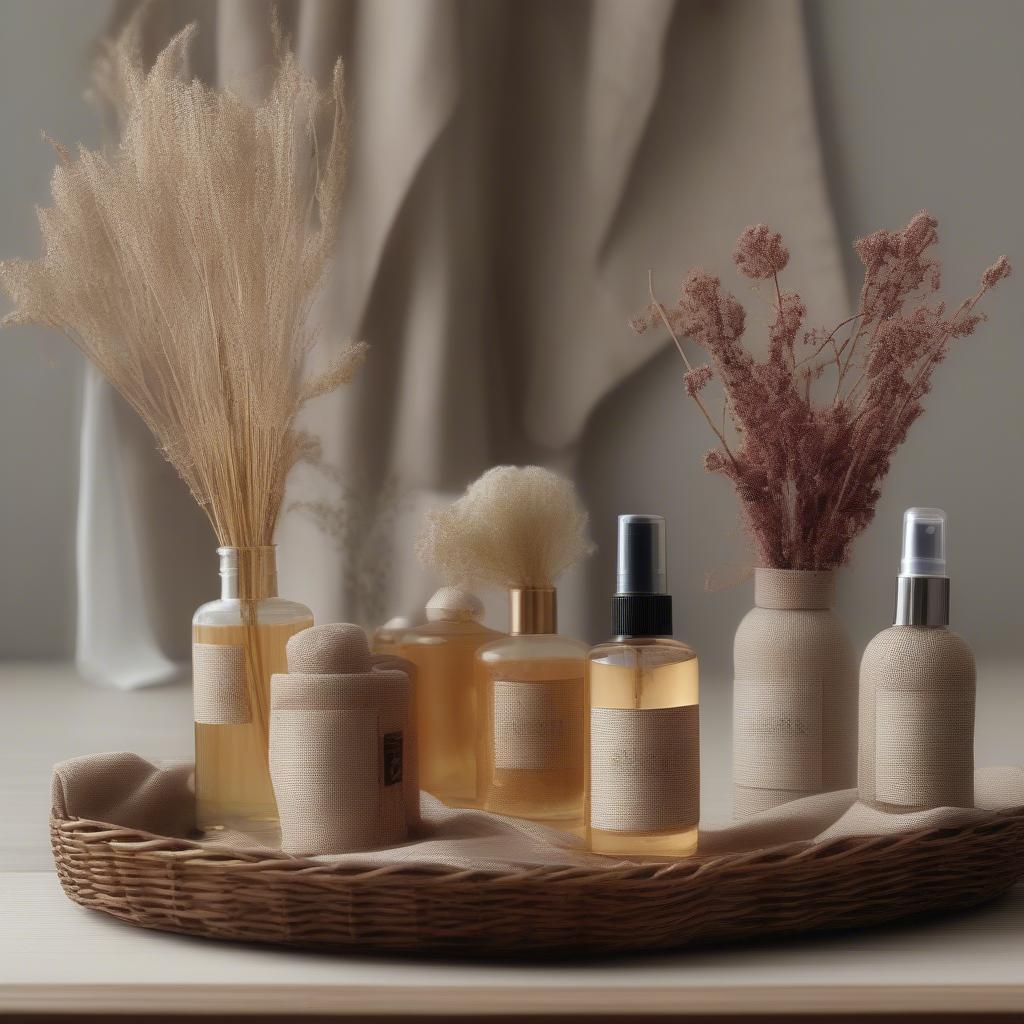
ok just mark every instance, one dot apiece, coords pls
pixel 795 693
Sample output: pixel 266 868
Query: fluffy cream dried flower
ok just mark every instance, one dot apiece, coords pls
pixel 183 264
pixel 514 527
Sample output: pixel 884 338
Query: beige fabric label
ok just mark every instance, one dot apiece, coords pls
pixel 645 768
pixel 777 735
pixel 219 693
pixel 924 755
pixel 538 726
pixel 337 779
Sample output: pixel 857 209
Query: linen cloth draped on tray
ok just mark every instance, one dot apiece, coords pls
pixel 124 789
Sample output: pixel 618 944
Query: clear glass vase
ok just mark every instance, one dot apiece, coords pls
pixel 238 642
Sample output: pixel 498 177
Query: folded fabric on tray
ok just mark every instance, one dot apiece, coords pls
pixel 125 790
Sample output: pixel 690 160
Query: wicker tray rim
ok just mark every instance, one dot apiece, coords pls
pixel 152 847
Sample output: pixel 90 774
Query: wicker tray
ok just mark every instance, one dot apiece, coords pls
pixel 171 885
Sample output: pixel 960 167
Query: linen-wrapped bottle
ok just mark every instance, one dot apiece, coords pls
pixel 917 687
pixel 342 744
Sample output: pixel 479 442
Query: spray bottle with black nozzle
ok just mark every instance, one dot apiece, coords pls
pixel 643 763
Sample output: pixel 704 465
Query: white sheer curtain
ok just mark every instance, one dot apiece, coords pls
pixel 516 167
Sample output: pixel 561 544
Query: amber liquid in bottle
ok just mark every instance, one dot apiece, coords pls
pixel 443 651
pixel 643 779
pixel 643 718
pixel 232 780
pixel 531 721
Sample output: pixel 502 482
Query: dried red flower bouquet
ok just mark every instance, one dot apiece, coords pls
pixel 807 471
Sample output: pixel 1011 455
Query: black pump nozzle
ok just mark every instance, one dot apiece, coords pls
pixel 642 605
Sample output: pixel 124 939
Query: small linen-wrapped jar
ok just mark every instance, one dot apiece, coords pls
pixel 342 744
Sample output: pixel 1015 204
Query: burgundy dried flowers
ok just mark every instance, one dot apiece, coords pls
pixel 808 471
pixel 697 379
pixel 759 252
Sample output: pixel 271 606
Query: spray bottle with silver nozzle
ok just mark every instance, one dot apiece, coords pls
pixel 917 685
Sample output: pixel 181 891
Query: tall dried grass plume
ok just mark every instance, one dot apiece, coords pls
pixel 514 527
pixel 183 265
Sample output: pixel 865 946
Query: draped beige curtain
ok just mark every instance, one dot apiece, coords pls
pixel 516 167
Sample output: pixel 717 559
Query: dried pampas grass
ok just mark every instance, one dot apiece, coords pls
pixel 184 263
pixel 514 527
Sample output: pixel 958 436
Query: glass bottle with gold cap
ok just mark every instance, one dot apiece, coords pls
pixel 531 716
pixel 445 694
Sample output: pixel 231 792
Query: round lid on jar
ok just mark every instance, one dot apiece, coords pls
pixel 335 648
pixel 454 604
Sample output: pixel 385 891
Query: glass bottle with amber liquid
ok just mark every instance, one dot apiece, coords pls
pixel 530 689
pixel 443 651
pixel 643 722
pixel 238 643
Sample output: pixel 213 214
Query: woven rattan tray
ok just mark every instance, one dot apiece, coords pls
pixel 171 885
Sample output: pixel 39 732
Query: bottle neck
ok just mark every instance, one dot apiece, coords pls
pixel 794 589
pixel 533 610
pixel 922 601
pixel 248 574
pixel 641 615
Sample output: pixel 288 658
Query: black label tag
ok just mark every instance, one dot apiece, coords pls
pixel 392 758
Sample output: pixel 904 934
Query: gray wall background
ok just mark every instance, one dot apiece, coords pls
pixel 44 50
pixel 919 104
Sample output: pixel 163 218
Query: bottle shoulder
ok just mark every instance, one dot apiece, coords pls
pixel 910 651
pixel 431 632
pixel 642 652
pixel 532 646
pixel 270 611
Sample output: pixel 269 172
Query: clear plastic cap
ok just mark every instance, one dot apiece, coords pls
pixel 641 561
pixel 924 542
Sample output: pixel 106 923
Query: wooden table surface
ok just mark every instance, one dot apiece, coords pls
pixel 57 958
